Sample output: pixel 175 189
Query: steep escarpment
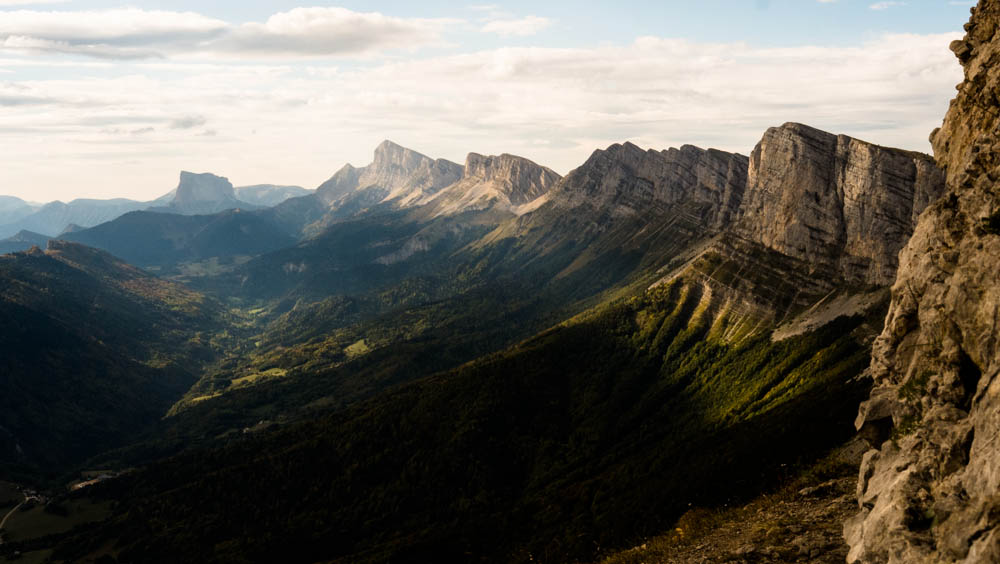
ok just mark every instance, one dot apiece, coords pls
pixel 930 492
pixel 203 188
pixel 835 201
pixel 624 180
pixel 818 228
pixel 203 193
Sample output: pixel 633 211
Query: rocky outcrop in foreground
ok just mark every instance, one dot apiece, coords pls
pixel 838 203
pixel 930 491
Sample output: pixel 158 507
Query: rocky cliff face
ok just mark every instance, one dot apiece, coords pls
pixel 836 202
pixel 504 182
pixel 624 180
pixel 198 188
pixel 519 179
pixel 396 172
pixel 931 491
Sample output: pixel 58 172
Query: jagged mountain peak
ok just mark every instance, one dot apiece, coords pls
pixel 625 179
pixel 619 151
pixel 396 174
pixel 392 154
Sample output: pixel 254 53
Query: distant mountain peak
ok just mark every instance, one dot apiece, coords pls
pixel 340 184
pixel 72 228
pixel 400 174
pixel 390 155
pixel 204 187
pixel 387 146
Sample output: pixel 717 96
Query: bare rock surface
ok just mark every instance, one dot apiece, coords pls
pixel 505 182
pixel 930 490
pixel 625 180
pixel 196 188
pixel 837 202
pixel 399 174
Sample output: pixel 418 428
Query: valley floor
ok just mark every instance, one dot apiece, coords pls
pixel 802 522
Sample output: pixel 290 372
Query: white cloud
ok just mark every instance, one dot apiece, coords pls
pixel 330 31
pixel 529 25
pixel 132 33
pixel 826 1
pixel 294 125
pixel 120 33
pixel 885 5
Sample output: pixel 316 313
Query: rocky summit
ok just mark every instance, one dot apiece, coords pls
pixel 396 173
pixel 929 491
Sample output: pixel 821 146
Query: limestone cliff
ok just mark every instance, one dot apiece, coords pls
pixel 396 174
pixel 625 180
pixel 505 182
pixel 838 203
pixel 930 490
pixel 195 188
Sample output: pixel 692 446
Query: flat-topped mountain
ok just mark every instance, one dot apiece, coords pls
pixel 205 187
pixel 205 193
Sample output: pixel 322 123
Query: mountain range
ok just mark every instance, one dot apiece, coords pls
pixel 199 193
pixel 422 360
pixel 435 351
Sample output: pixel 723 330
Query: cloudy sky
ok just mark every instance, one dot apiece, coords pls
pixel 101 98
